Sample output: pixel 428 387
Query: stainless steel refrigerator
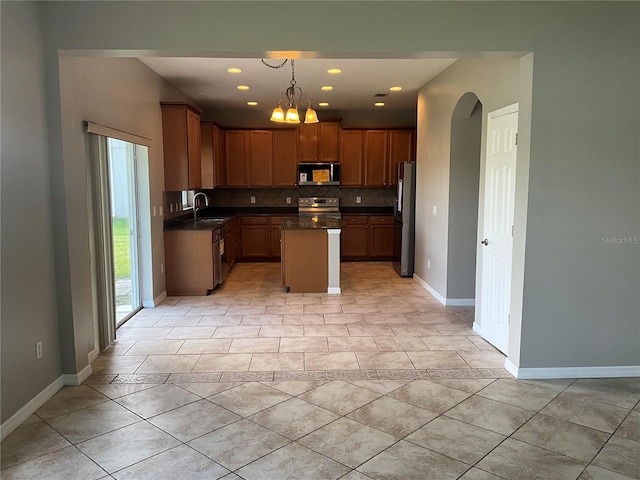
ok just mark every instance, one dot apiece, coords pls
pixel 404 221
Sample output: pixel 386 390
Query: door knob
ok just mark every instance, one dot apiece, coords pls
pixel 485 242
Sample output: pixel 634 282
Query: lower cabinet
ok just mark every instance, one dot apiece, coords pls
pixel 232 243
pixel 367 237
pixel 255 234
pixel 188 262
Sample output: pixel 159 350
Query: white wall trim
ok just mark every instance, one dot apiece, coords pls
pixel 478 329
pixel 93 354
pixel 77 378
pixel 40 399
pixel 334 290
pixel 447 302
pixel 460 302
pixel 34 404
pixel 156 301
pixel 572 372
pixel 430 289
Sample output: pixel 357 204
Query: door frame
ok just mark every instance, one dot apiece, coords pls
pixel 477 324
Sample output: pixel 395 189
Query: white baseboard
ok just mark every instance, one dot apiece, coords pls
pixel 34 404
pixel 447 302
pixel 93 354
pixel 334 290
pixel 571 372
pixel 430 289
pixel 156 301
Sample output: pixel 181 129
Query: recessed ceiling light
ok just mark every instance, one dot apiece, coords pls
pixel 233 70
pixel 252 104
pixel 395 89
pixel 326 87
pixel 334 71
pixel 242 87
pixel 323 104
pixel 378 104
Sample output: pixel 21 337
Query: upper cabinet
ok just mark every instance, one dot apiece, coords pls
pixel 401 149
pixel 369 157
pixel 285 158
pixel 351 158
pixel 181 145
pixel 376 158
pixel 212 156
pixel 319 142
pixel 249 158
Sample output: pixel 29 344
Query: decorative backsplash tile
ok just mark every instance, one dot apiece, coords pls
pixel 277 197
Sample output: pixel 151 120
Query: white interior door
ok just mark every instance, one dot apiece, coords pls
pixel 497 237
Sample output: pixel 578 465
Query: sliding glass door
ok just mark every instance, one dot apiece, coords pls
pixel 124 227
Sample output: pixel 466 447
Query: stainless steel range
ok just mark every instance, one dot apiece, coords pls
pixel 320 207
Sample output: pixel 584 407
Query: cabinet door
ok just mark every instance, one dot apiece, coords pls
pixel 308 134
pixel 255 242
pixel 351 158
pixel 219 177
pixel 236 144
pixel 188 261
pixel 261 159
pixel 206 155
pixel 401 149
pixel 381 236
pixel 355 236
pixel 329 141
pixel 181 147
pixel 193 147
pixel 285 158
pixel 375 162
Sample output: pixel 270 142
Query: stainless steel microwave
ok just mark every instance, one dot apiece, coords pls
pixel 318 174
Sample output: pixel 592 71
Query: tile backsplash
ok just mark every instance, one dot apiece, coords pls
pixel 277 197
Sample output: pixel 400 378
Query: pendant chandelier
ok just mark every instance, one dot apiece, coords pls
pixel 292 99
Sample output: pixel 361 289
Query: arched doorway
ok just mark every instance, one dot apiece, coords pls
pixel 464 181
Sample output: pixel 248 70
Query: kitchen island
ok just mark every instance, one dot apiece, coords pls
pixel 311 254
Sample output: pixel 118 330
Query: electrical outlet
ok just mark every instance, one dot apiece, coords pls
pixel 288 200
pixel 154 210
pixel 428 264
pixel 433 210
pixel 253 199
pixel 162 268
pixel 38 350
pixel 358 199
pixel 170 208
pixel 160 210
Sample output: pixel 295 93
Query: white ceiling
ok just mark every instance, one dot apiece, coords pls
pixel 207 82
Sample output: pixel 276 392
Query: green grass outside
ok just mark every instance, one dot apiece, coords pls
pixel 121 248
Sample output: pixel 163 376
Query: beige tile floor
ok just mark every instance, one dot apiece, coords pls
pixel 380 382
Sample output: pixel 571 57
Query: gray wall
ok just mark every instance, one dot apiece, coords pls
pixel 496 84
pixel 464 187
pixel 29 310
pixel 579 303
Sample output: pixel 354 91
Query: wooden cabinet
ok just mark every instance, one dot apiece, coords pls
pixel 319 142
pixel 232 243
pixel 401 149
pixel 381 236
pixel 367 237
pixel 212 155
pixel 188 262
pixel 355 236
pixel 376 158
pixel 275 235
pixel 351 158
pixel 181 146
pixel 285 158
pixel 260 168
pixel 255 237
pixel 236 147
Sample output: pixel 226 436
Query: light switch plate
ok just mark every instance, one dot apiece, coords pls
pixel 358 199
pixel 253 199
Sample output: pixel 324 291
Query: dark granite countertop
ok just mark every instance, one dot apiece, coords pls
pixel 366 210
pixel 310 223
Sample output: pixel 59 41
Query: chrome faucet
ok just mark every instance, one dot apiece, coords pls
pixel 195 204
